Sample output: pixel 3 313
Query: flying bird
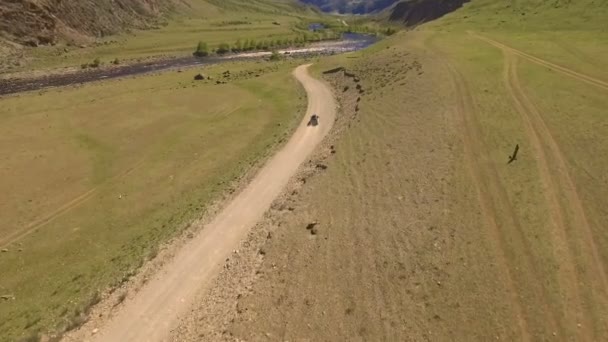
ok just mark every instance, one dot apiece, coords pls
pixel 514 156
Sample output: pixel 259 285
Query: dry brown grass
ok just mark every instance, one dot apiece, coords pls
pixel 425 232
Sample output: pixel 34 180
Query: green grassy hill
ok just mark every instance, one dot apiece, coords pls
pixel 431 234
pixel 525 15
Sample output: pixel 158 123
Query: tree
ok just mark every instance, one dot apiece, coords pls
pixel 201 50
pixel 223 48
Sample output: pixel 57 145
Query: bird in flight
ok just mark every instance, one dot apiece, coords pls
pixel 514 156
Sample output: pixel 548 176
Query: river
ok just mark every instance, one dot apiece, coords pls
pixel 349 42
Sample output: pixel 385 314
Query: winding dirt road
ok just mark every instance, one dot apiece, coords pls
pixel 153 312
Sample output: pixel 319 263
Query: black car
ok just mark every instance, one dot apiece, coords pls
pixel 314 120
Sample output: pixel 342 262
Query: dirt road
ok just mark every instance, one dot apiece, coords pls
pixel 151 314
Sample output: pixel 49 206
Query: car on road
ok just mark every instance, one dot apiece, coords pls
pixel 314 120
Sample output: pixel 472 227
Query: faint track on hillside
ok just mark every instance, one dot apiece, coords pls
pixel 540 131
pixel 543 145
pixel 63 209
pixel 555 176
pixel 487 188
pixel 569 72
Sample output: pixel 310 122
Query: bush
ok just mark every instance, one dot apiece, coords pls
pixel 96 63
pixel 223 48
pixel 238 46
pixel 275 56
pixel 201 50
pixel 390 31
pixel 116 61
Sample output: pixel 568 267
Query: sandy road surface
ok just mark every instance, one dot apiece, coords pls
pixel 151 314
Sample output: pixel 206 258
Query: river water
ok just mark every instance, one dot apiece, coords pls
pixel 350 42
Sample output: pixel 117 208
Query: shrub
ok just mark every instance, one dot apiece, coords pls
pixel 116 61
pixel 201 50
pixel 390 31
pixel 96 63
pixel 223 48
pixel 275 56
pixel 238 46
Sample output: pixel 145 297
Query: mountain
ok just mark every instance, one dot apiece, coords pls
pixel 351 6
pixel 515 15
pixel 43 22
pixel 414 12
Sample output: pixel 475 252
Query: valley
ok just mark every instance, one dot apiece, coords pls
pixel 451 189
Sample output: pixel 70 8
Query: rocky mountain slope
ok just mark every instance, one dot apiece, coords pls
pixel 44 22
pixel 351 6
pixel 414 12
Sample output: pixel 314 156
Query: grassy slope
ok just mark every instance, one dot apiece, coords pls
pixel 429 235
pixel 210 21
pixel 131 161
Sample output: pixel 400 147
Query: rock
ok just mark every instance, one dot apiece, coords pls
pixel 321 166
pixel 4 250
pixel 7 297
pixel 311 225
pixel 314 231
pixel 199 77
pixel 95 331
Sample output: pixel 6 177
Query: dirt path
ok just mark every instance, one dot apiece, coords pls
pixel 551 177
pixel 153 312
pixel 546 149
pixel 490 197
pixel 577 75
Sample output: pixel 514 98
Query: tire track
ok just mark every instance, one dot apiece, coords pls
pixel 63 209
pixel 569 72
pixel 540 131
pixel 484 187
pixel 548 184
